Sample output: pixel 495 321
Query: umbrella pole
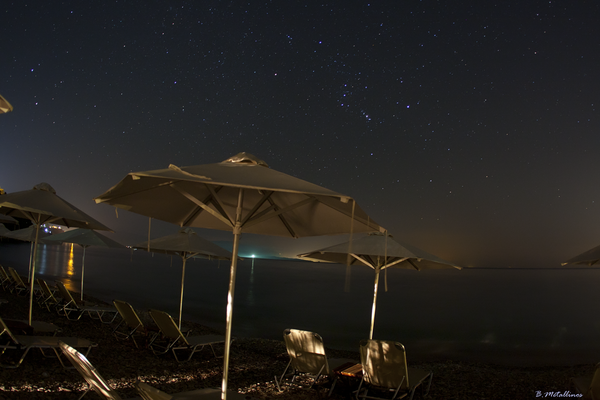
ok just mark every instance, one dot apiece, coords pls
pixel 30 260
pixel 181 296
pixel 377 270
pixel 37 232
pixel 237 231
pixel 82 270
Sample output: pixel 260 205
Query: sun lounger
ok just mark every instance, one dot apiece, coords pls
pixel 47 298
pixel 174 339
pixel 5 279
pixel 385 369
pixel 102 388
pixel 132 324
pixel 25 343
pixel 588 386
pixel 73 310
pixel 18 284
pixel 307 356
pixel 92 377
pixel 150 393
pixel 36 327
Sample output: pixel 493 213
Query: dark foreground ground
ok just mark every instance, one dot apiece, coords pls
pixel 253 364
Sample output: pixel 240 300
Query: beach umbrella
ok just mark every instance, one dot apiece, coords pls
pixel 240 194
pixel 5 106
pixel 379 251
pixel 85 238
pixel 5 219
pixel 41 205
pixel 185 244
pixel 3 229
pixel 27 235
pixel 589 258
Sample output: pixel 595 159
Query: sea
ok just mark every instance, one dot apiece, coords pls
pixel 514 317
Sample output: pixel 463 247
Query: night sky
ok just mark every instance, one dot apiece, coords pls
pixel 468 129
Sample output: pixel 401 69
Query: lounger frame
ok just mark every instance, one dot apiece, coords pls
pixel 175 340
pixel 25 343
pixel 385 369
pixel 73 310
pixel 131 325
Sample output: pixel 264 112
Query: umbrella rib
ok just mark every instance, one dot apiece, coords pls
pixel 398 261
pixel 282 218
pixel 262 218
pixel 256 207
pixel 413 264
pixel 198 210
pixel 203 206
pixel 363 260
pixel 220 204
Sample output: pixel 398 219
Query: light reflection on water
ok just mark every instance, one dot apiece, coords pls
pixel 510 316
pixel 57 261
pixel 70 266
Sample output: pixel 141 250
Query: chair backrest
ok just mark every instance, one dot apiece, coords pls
pixel 65 293
pixel 306 351
pixel 89 373
pixel 128 314
pixel 16 277
pixel 5 329
pixel 45 288
pixel 167 326
pixel 594 390
pixel 3 274
pixel 384 363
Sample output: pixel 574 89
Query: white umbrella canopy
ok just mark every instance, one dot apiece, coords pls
pixel 379 251
pixel 85 238
pixel 41 205
pixel 3 229
pixel 5 106
pixel 589 258
pixel 5 219
pixel 240 194
pixel 187 244
pixel 26 234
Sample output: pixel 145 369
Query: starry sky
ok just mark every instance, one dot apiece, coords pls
pixel 468 129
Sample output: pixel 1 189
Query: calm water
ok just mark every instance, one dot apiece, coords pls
pixel 507 316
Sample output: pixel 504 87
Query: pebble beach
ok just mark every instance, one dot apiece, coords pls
pixel 253 365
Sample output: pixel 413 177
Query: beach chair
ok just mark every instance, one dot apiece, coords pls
pixel 25 343
pixel 151 393
pixel 385 369
pixel 47 298
pixel 93 379
pixel 18 284
pixel 307 356
pixel 174 340
pixel 5 279
pixel 98 384
pixel 73 310
pixel 132 324
pixel 588 386
pixel 19 326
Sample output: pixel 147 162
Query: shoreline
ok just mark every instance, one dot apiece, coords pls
pixel 254 363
